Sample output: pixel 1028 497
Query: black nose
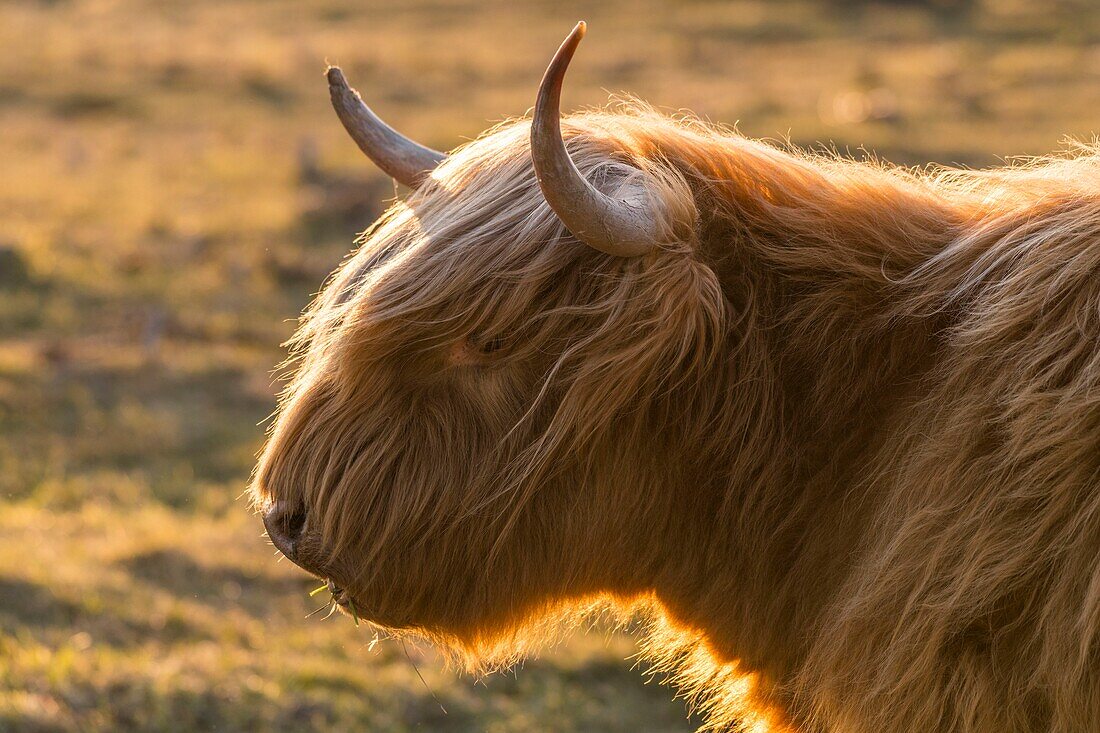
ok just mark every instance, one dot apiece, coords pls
pixel 285 523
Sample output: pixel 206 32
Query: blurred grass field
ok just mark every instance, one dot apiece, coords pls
pixel 175 186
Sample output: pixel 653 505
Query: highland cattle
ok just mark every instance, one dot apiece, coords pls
pixel 837 423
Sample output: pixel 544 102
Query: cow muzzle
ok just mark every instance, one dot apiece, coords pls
pixel 285 523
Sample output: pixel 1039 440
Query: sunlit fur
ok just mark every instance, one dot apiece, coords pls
pixel 841 429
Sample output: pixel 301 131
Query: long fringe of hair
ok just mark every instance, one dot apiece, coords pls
pixel 869 399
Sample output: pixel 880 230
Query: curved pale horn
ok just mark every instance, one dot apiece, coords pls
pixel 402 159
pixel 626 226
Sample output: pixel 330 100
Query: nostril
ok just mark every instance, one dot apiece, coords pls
pixel 285 525
pixel 295 523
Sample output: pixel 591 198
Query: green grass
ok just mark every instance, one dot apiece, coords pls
pixel 158 239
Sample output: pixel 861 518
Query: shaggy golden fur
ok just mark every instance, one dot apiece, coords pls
pixel 843 433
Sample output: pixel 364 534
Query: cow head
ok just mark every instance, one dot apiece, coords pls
pixel 500 398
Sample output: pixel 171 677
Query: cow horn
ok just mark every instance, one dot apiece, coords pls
pixel 624 227
pixel 402 159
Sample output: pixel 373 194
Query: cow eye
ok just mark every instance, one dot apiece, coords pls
pixel 475 350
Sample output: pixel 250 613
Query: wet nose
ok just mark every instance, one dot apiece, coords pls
pixel 284 523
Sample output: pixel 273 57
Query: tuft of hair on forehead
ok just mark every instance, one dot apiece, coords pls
pixel 485 247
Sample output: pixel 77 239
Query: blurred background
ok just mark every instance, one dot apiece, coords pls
pixel 173 188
